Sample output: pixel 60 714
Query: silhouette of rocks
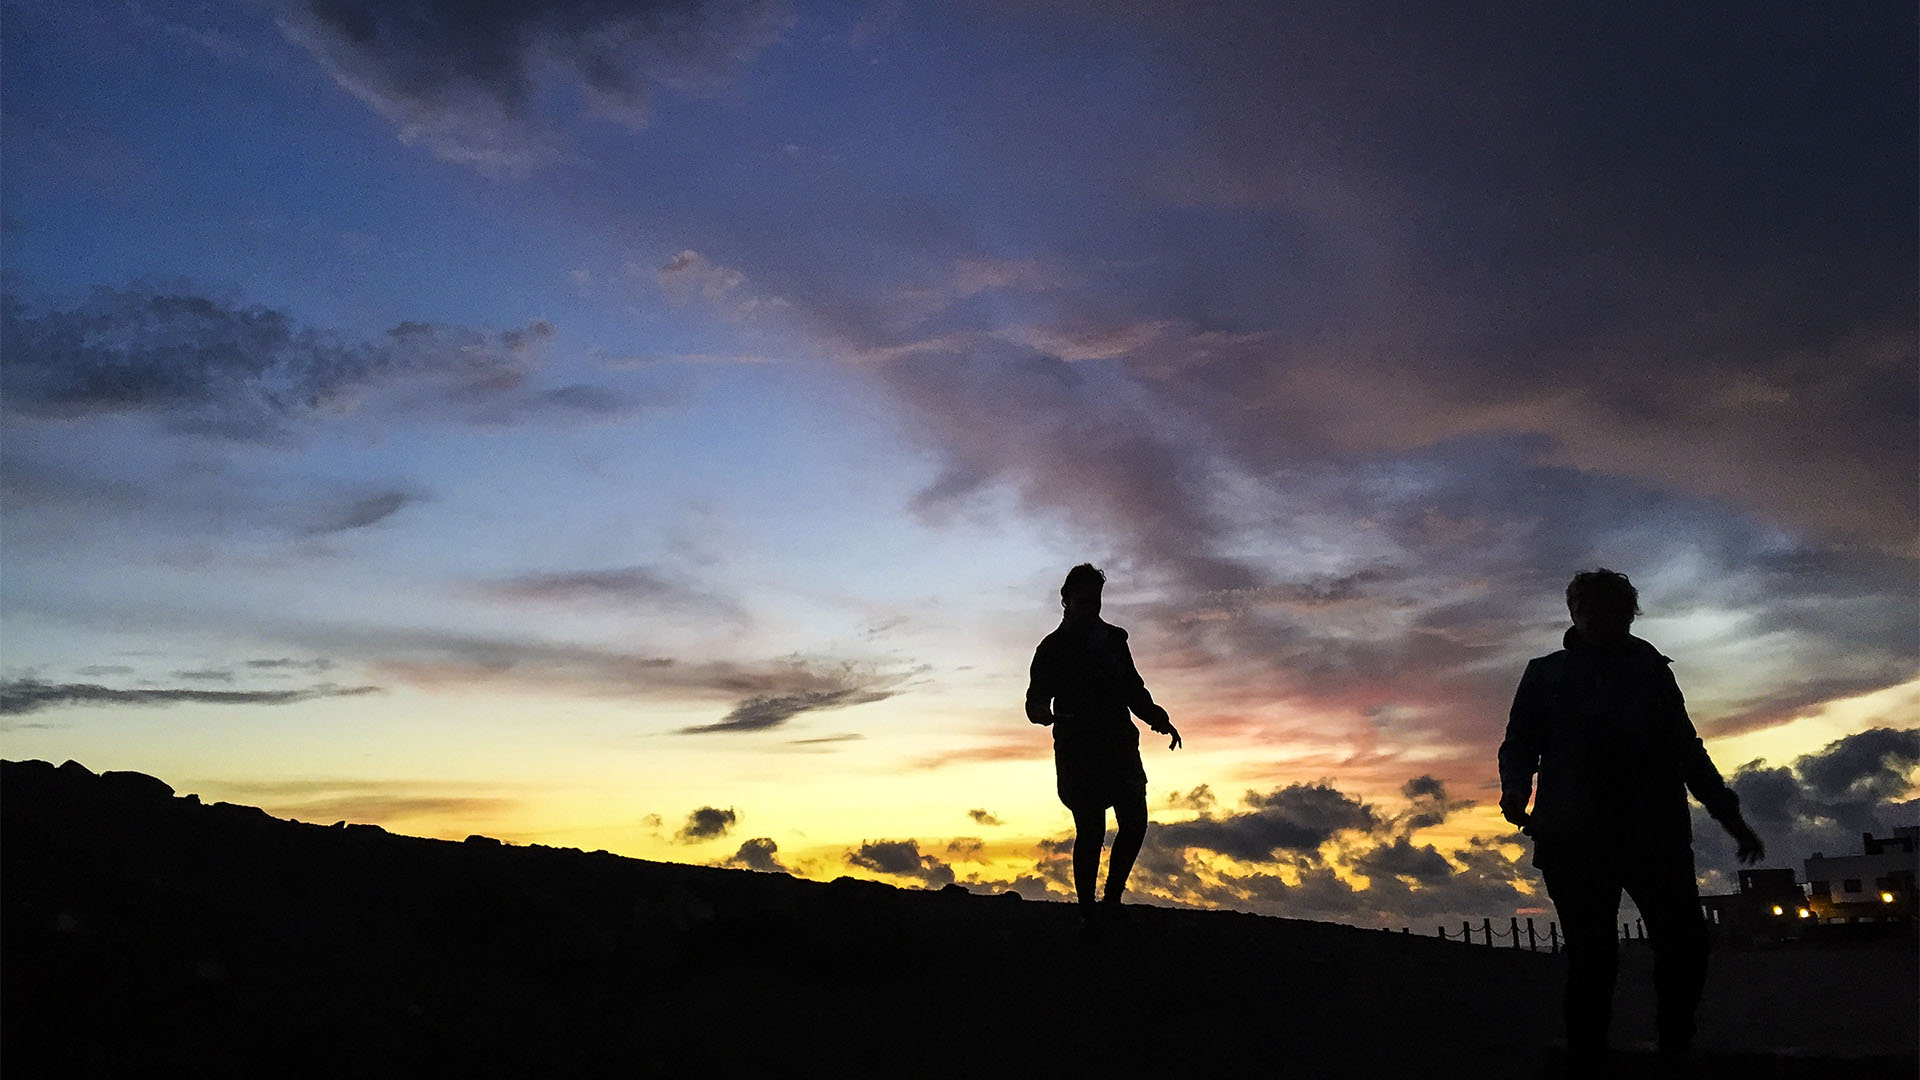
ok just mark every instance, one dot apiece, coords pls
pixel 136 785
pixel 148 935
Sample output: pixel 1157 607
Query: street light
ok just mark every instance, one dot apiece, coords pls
pixel 1778 910
pixel 1886 898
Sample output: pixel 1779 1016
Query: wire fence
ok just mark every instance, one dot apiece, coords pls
pixel 1525 935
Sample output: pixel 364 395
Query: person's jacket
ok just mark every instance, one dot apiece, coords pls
pixel 1608 733
pixel 1083 682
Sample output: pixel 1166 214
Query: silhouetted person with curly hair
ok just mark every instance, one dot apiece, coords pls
pixel 1083 685
pixel 1604 725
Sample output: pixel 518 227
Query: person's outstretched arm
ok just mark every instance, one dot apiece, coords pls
pixel 1142 703
pixel 1706 784
pixel 1520 750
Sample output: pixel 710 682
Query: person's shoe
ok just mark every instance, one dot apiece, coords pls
pixel 1589 1063
pixel 1089 924
pixel 1113 914
pixel 1678 1063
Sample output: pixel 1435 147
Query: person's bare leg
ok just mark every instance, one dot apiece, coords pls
pixel 1131 815
pixel 1089 833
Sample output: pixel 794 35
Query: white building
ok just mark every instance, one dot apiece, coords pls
pixel 1877 884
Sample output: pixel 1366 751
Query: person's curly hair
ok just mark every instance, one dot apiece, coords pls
pixel 1602 588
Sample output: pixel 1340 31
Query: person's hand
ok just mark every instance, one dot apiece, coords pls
pixel 1175 732
pixel 1752 849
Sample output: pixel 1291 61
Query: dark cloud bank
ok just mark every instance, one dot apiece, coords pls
pixel 1440 309
pixel 1822 801
pixel 1285 845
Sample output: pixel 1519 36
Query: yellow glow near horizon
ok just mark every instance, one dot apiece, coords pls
pixel 1895 706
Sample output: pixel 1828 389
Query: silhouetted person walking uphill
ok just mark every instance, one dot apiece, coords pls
pixel 1604 725
pixel 1083 684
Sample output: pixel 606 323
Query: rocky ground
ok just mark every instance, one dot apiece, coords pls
pixel 147 934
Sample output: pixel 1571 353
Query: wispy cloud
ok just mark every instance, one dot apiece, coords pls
pixel 773 710
pixel 255 374
pixel 621 585
pixel 19 696
pixel 323 799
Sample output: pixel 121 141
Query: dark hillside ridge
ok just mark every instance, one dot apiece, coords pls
pixel 147 934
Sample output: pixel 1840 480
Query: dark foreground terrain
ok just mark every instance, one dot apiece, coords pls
pixel 147 934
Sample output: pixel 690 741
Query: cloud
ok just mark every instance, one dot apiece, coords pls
pixel 254 374
pixel 477 86
pixel 984 817
pixel 706 823
pixel 1303 851
pixel 1200 798
pixel 1351 452
pixel 1822 801
pixel 772 710
pixel 759 853
pixel 18 696
pixel 351 511
pixel 691 277
pixel 1428 805
pixel 621 586
pixel 434 658
pixel 1300 850
pixel 901 858
pixel 1298 817
pixel 966 848
pixel 324 799
pixel 1424 864
pixel 287 663
pixel 1424 787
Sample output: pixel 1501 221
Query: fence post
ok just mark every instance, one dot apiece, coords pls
pixel 1532 943
pixel 1443 933
pixel 1513 931
pixel 1406 929
pixel 1466 932
pixel 1640 929
pixel 1626 932
pixel 1486 930
pixel 1553 937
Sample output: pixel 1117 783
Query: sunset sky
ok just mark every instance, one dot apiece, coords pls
pixel 664 426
